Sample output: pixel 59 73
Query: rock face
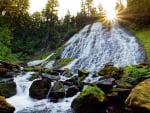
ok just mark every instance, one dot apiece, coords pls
pixel 140 96
pixel 39 88
pixel 5 107
pixel 8 89
pixel 89 101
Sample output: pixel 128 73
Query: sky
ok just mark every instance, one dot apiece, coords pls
pixel 72 5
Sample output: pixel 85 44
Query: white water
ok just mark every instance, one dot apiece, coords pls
pixel 94 47
pixel 38 62
pixel 24 104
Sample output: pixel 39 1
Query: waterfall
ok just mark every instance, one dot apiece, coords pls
pixel 94 47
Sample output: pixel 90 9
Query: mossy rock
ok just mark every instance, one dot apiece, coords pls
pixel 40 88
pixel 8 89
pixel 139 97
pixel 124 84
pixel 5 107
pixel 48 70
pixel 89 100
pixel 35 68
pixel 62 62
pixel 83 74
pixel 135 74
pixel 57 91
pixel 35 76
pixel 110 71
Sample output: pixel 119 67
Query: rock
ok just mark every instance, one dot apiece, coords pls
pixel 8 89
pixel 51 77
pixel 123 84
pixel 139 97
pixel 110 71
pixel 34 76
pixel 106 84
pixel 5 107
pixel 5 80
pixel 72 91
pixel 90 100
pixel 3 71
pixel 39 88
pixel 75 81
pixel 82 74
pixel 57 91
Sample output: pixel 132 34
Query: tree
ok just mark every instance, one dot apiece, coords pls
pixel 137 11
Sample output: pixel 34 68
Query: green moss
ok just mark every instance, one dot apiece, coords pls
pixel 62 62
pixel 134 74
pixel 48 70
pixel 95 91
pixel 109 71
pixel 57 53
pixel 144 39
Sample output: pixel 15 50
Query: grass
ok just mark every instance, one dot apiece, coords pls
pixel 143 36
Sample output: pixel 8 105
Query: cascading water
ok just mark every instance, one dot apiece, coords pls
pixel 94 47
pixel 24 104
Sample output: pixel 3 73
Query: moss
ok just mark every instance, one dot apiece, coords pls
pixel 62 62
pixel 95 91
pixel 48 70
pixel 139 95
pixel 134 74
pixel 8 89
pixel 143 36
pixel 5 107
pixel 35 68
pixel 56 53
pixel 109 71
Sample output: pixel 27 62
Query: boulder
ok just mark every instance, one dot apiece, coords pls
pixel 51 77
pixel 72 91
pixel 90 100
pixel 39 88
pixel 5 107
pixel 8 89
pixel 139 97
pixel 57 91
pixel 110 71
pixel 106 84
pixel 82 74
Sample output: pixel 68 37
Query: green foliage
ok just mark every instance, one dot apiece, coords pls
pixel 5 42
pixel 144 38
pixel 93 90
pixel 62 62
pixel 134 74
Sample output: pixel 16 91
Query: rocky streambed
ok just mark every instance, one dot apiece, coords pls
pixel 110 90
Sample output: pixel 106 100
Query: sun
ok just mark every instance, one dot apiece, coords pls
pixel 111 15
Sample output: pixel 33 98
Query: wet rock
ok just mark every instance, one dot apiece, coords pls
pixel 34 76
pixel 7 89
pixel 5 80
pixel 72 91
pixel 5 107
pixel 106 84
pixel 3 71
pixel 51 77
pixel 82 74
pixel 110 71
pixel 91 100
pixel 57 91
pixel 139 97
pixel 40 88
